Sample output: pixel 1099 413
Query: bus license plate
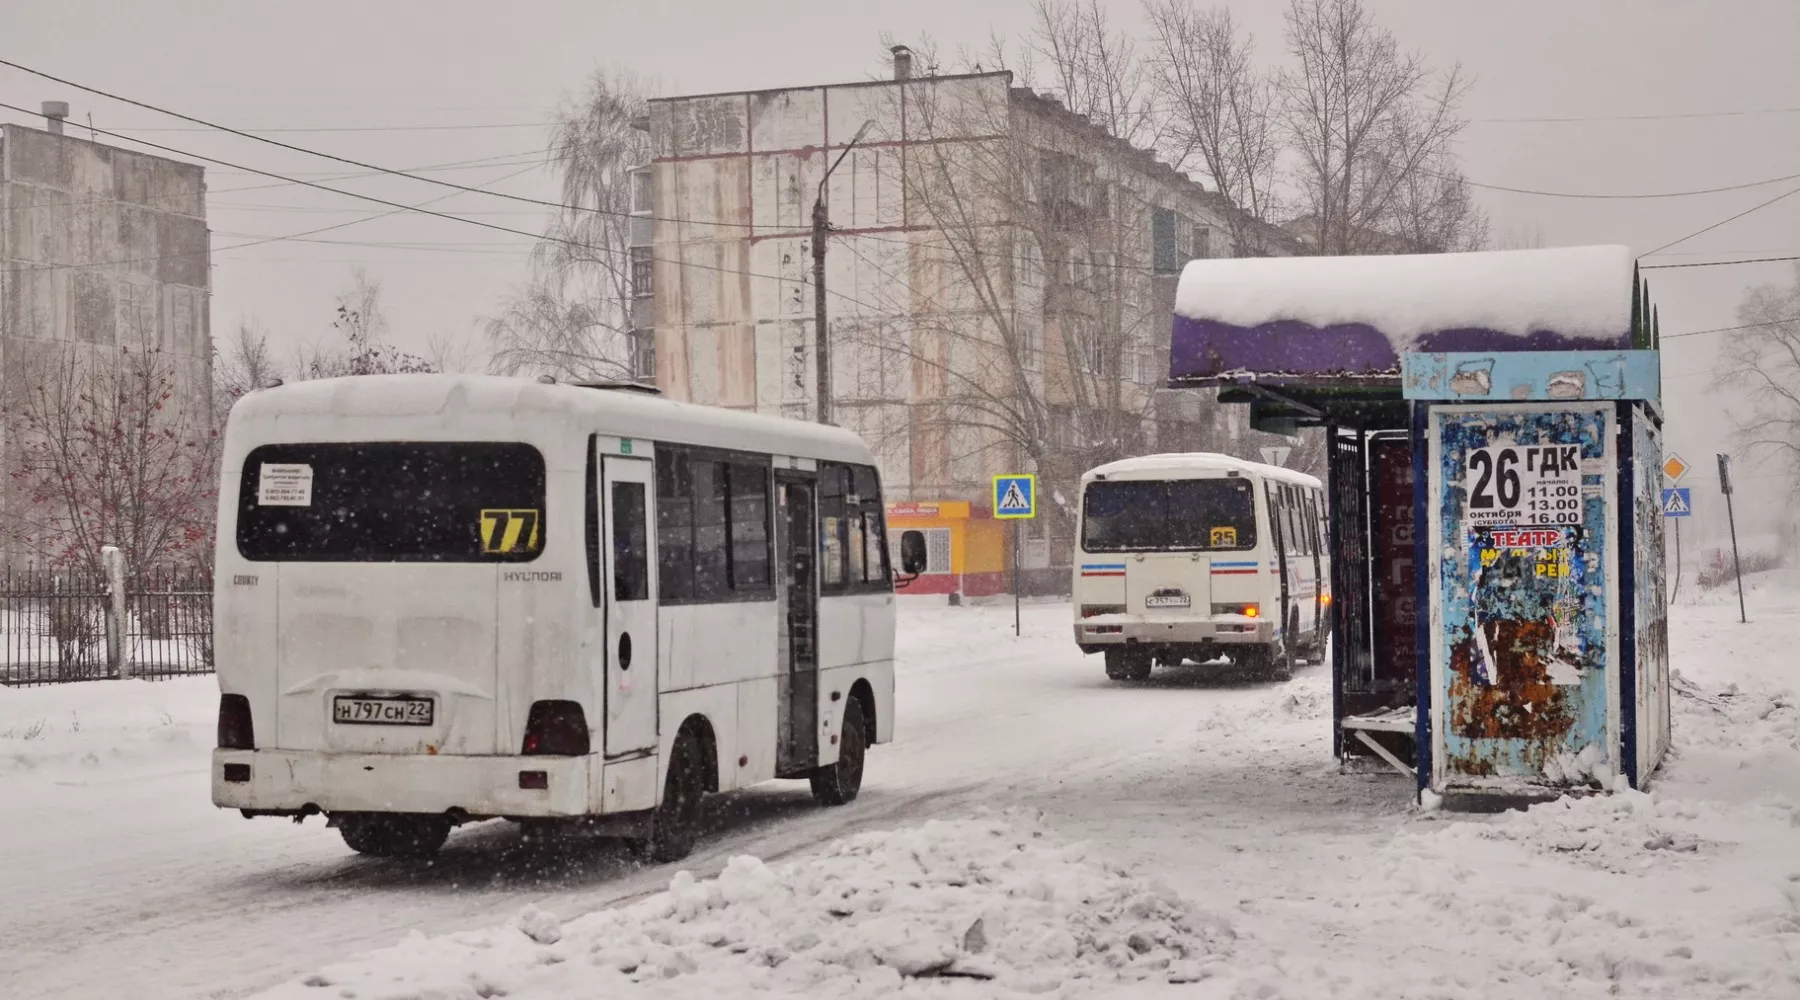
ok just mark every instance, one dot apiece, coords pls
pixel 371 710
pixel 1167 601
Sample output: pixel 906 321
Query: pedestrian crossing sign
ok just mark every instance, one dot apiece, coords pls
pixel 1677 502
pixel 1015 496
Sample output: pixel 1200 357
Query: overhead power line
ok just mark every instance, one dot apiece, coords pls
pixel 1731 329
pixel 1627 197
pixel 400 207
pixel 1717 263
pixel 355 128
pixel 1649 117
pixel 1755 208
pixel 323 155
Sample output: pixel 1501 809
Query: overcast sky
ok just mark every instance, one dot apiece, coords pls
pixel 457 64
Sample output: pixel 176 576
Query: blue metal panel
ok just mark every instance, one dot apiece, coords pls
pixel 1524 630
pixel 1649 695
pixel 1422 576
pixel 1493 376
pixel 1631 472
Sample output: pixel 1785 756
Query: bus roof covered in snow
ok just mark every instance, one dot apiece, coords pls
pixel 1181 465
pixel 1338 320
pixel 447 407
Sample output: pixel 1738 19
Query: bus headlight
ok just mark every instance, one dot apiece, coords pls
pixel 1247 610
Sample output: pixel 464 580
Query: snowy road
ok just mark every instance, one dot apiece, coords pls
pixel 124 865
pixel 120 879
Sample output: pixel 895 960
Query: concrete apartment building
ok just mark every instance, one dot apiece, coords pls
pixel 100 249
pixel 1000 275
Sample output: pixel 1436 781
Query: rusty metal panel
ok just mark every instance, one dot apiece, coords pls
pixel 783 188
pixel 781 288
pixel 701 126
pixel 736 363
pixel 1524 639
pixel 847 107
pixel 788 119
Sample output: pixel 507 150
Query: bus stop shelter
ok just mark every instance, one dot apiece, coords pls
pixel 1492 433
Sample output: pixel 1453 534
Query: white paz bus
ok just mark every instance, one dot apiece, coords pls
pixel 443 599
pixel 1193 556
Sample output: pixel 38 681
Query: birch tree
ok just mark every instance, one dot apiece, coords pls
pixel 572 317
pixel 1759 368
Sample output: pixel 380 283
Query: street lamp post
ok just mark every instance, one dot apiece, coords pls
pixel 821 226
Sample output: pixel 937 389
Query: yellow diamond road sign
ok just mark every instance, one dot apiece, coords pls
pixel 1674 468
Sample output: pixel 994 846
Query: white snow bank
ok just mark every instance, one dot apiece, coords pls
pixel 1574 291
pixel 94 723
pixel 927 909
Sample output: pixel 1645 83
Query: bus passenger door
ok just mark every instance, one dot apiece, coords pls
pixel 1278 547
pixel 797 597
pixel 629 581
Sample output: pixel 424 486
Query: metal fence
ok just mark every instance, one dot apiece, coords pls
pixel 55 626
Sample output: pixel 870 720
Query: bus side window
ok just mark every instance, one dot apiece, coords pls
pixel 831 526
pixel 874 527
pixel 749 526
pixel 674 526
pixel 630 543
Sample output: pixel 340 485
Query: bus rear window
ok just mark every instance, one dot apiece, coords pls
pixel 392 501
pixel 1169 515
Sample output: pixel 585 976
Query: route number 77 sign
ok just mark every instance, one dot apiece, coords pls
pixel 1523 485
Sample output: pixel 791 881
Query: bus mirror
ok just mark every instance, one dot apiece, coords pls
pixel 912 552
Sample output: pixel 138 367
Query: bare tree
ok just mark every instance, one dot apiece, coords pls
pixel 572 317
pixel 1095 71
pixel 244 363
pixel 1365 119
pixel 106 454
pixel 1760 368
pixel 1021 325
pixel 1223 109
pixel 363 348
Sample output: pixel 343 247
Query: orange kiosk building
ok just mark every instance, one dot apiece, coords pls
pixel 966 547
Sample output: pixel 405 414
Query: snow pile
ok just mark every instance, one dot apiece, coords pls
pixel 93 723
pixel 1627 894
pixel 1574 291
pixel 930 908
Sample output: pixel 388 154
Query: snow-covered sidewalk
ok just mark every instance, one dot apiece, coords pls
pixel 1178 886
pixel 1189 836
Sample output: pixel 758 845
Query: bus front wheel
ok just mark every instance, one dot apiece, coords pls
pixel 1128 665
pixel 837 784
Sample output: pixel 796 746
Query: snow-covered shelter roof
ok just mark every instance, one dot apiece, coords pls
pixel 1354 316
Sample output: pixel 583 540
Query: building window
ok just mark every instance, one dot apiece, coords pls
pixel 643 273
pixel 640 190
pixel 1165 252
pixel 1202 242
pixel 643 355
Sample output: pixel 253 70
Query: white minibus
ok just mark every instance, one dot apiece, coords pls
pixel 446 598
pixel 1193 556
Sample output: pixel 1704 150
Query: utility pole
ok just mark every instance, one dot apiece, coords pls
pixel 821 225
pixel 1737 567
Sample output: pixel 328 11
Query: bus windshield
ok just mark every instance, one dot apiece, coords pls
pixel 393 501
pixel 1169 515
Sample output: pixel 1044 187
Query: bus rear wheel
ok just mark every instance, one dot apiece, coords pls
pixel 837 784
pixel 390 835
pixel 675 823
pixel 1128 665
